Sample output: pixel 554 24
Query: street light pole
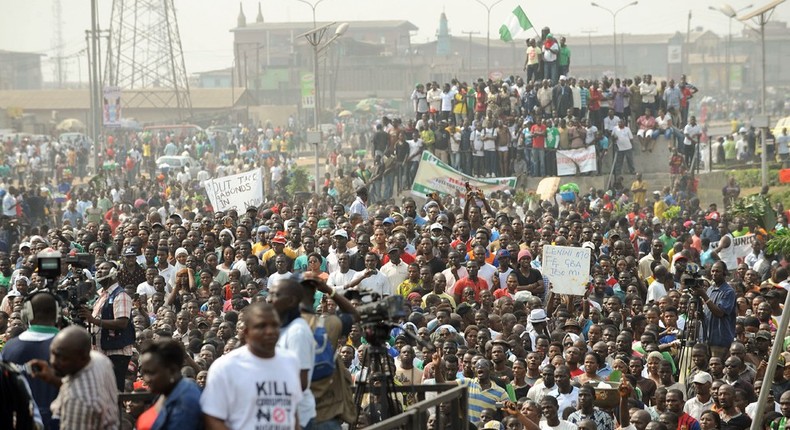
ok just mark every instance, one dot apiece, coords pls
pixel 488 31
pixel 314 38
pixel 761 18
pixel 730 13
pixel 614 26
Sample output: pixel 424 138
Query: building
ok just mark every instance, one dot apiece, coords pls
pixel 20 70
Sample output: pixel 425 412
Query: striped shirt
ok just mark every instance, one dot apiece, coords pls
pixel 87 398
pixel 121 308
pixel 480 398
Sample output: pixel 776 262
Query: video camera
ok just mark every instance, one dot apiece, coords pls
pixel 73 291
pixel 691 279
pixel 378 317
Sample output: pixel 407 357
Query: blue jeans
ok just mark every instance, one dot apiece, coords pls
pixel 455 160
pixel 491 162
pixel 389 179
pixel 538 162
pixel 551 71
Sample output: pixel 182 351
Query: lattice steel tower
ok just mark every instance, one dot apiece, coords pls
pixel 145 55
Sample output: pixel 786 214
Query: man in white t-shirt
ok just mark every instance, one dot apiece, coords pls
pixel 622 138
pixel 549 407
pixel 371 279
pixel 257 385
pixel 783 146
pixel 692 133
pixel 296 336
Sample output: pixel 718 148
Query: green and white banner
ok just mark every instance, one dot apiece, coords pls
pixel 433 175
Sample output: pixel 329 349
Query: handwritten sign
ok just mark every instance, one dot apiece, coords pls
pixel 236 191
pixel 568 269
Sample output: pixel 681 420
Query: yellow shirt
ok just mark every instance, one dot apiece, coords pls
pixel 270 253
pixel 639 188
pixel 659 207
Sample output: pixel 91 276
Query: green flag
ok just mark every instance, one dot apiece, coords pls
pixel 518 23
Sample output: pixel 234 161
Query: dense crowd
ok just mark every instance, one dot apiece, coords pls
pixel 252 319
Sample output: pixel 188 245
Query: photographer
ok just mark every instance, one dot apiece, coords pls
pixel 719 308
pixel 112 321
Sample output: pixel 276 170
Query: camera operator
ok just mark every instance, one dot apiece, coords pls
pixel 719 309
pixel 112 321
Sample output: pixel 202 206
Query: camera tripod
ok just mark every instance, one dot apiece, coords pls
pixel 377 377
pixel 695 324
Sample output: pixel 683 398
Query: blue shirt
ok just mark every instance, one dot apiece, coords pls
pixel 720 331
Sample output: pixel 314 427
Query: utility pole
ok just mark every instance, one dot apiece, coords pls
pixel 589 33
pixel 469 61
pixel 686 65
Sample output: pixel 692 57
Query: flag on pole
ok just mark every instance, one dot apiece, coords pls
pixel 518 23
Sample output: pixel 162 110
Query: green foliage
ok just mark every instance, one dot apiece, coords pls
pixel 781 195
pixel 524 197
pixel 779 243
pixel 756 208
pixel 749 178
pixel 299 181
pixel 671 213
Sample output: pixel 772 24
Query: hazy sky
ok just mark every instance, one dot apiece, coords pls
pixel 28 25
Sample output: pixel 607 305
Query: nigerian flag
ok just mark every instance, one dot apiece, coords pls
pixel 518 23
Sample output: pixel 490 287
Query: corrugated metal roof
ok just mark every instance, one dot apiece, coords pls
pixel 202 98
pixel 253 26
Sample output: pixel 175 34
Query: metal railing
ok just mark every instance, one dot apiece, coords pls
pixel 416 416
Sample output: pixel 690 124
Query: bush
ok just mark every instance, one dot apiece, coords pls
pixel 750 178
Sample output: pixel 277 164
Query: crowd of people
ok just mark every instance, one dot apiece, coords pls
pixel 252 319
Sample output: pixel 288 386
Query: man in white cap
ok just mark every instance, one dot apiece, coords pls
pixel 537 319
pixel 703 401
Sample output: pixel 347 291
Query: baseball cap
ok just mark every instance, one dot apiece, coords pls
pixel 24 245
pixel 503 253
pixel 493 424
pixel 437 226
pixel 702 378
pixel 279 238
pixel 763 334
pixel 340 232
pixel 129 251
pixel 388 220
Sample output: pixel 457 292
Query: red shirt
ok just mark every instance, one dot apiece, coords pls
pixel 538 142
pixel 405 256
pixel 502 292
pixel 462 283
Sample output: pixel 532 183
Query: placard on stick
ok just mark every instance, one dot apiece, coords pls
pixel 567 268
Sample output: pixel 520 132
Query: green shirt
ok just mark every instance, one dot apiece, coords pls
pixel 552 138
pixel 729 149
pixel 668 241
pixel 564 56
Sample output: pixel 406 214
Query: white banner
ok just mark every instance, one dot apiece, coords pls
pixel 739 248
pixel 567 268
pixel 569 160
pixel 236 191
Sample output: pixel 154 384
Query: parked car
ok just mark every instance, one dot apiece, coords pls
pixel 167 163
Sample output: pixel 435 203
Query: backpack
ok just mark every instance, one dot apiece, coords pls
pixel 324 363
pixel 16 410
